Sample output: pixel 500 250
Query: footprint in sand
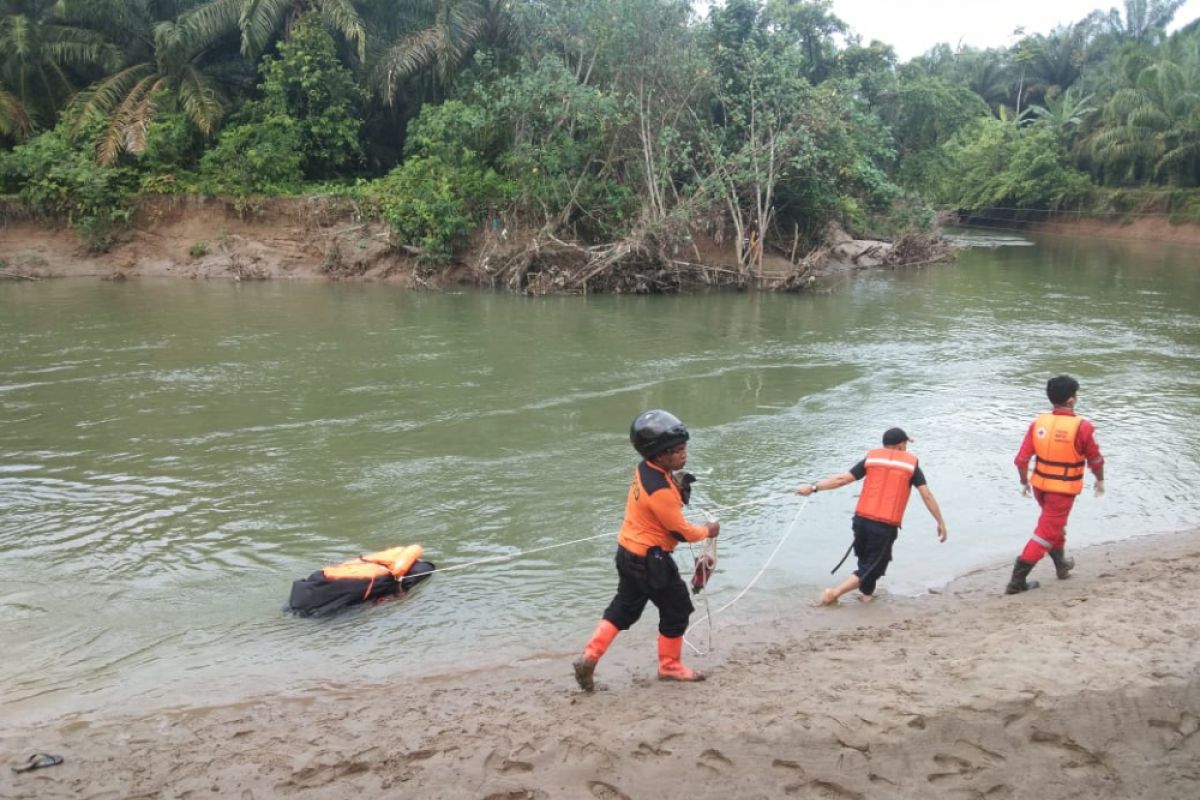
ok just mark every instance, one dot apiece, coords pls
pixel 606 791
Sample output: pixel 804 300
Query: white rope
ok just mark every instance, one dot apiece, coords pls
pixel 518 554
pixel 707 551
pixel 758 502
pixel 753 580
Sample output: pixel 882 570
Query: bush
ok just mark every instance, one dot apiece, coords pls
pixel 308 84
pixel 994 164
pixel 55 178
pixel 432 205
pixel 255 158
pixel 173 146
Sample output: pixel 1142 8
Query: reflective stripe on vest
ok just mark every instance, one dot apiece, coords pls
pixel 1059 466
pixel 887 486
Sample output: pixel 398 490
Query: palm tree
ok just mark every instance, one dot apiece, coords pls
pixel 1152 128
pixel 986 74
pixel 436 37
pixel 44 57
pixel 184 62
pixel 1057 60
pixel 1145 20
pixel 261 21
pixel 1063 113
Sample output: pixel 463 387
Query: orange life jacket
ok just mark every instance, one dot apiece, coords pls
pixel 1059 466
pixel 395 561
pixel 887 486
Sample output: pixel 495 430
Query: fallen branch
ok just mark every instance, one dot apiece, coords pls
pixel 705 267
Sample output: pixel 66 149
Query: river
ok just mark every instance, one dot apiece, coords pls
pixel 173 454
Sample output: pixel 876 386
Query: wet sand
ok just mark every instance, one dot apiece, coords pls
pixel 1087 688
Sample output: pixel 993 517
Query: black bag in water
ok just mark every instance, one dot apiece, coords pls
pixel 318 595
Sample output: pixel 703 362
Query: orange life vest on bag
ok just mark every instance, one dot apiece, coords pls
pixel 1059 466
pixel 371 578
pixel 395 561
pixel 887 485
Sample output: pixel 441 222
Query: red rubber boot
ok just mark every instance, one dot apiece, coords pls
pixel 670 668
pixel 596 647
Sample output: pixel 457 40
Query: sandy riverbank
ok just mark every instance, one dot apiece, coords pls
pixel 1085 688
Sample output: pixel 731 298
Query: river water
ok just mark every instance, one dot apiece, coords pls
pixel 173 454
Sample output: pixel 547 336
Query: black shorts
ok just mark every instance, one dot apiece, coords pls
pixel 653 578
pixel 873 547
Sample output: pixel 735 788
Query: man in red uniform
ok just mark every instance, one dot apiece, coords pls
pixel 891 474
pixel 1063 443
pixel 646 571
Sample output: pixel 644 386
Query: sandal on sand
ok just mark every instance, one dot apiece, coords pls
pixel 39 760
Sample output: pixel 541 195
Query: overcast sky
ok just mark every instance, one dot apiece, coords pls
pixel 914 26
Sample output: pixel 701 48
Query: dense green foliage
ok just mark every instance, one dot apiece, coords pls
pixel 54 177
pixel 590 120
pixel 443 188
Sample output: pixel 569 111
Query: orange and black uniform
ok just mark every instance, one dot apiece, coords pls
pixel 646 571
pixel 891 475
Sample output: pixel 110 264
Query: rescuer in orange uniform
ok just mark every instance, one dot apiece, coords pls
pixel 646 570
pixel 1063 444
pixel 891 474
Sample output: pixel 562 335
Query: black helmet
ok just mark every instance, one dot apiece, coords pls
pixel 655 431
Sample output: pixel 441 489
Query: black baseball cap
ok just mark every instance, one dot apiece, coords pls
pixel 895 436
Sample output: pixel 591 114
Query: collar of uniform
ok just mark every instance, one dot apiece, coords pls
pixel 1063 412
pixel 654 466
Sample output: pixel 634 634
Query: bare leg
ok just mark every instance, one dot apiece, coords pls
pixel 830 596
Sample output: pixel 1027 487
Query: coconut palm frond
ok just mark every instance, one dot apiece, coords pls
pixel 140 117
pixel 170 43
pixel 1148 118
pixel 20 36
pixel 84 53
pixel 14 120
pixel 461 26
pixel 1163 79
pixel 260 21
pixel 200 100
pixel 126 122
pixel 409 56
pixel 1182 159
pixel 99 100
pixel 343 18
pixel 201 27
pixel 1184 104
pixel 1123 103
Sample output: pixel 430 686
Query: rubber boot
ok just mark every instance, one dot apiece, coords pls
pixel 1019 583
pixel 670 668
pixel 596 647
pixel 1063 564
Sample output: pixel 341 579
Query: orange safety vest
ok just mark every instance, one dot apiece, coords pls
pixel 1059 466
pixel 887 486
